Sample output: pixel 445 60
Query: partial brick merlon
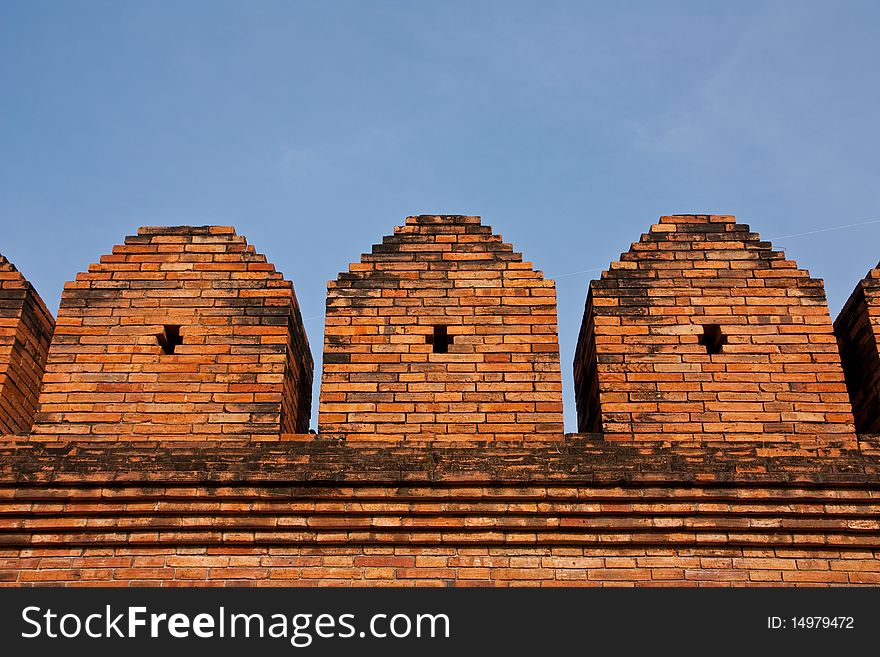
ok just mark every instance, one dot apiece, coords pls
pixel 186 230
pixel 12 279
pixel 857 328
pixel 26 328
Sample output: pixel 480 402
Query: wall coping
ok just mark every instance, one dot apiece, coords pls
pixel 575 459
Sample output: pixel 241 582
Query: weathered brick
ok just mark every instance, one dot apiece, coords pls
pixel 222 350
pixel 733 471
pixel 698 303
pixel 26 328
pixel 857 328
pixel 429 312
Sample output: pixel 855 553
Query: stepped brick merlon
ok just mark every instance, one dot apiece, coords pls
pixel 180 331
pixel 702 328
pixel 442 332
pixel 858 334
pixel 26 327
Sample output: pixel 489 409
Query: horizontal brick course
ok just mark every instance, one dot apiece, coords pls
pixel 572 511
pixel 566 567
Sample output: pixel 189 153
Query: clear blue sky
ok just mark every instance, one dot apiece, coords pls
pixel 314 127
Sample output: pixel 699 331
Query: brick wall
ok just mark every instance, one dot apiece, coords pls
pixel 579 511
pixel 26 327
pixel 442 331
pixel 179 332
pixel 702 328
pixel 858 335
pixel 737 467
pixel 407 566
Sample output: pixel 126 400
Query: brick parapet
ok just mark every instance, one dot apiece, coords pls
pixel 577 511
pixel 447 468
pixel 26 328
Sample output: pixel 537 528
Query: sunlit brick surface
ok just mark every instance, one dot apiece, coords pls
pixel 25 331
pixel 648 367
pixel 170 445
pixel 499 377
pixel 243 366
pixel 575 511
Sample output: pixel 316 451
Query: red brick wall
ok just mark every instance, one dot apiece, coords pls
pixel 500 377
pixel 243 368
pixel 641 372
pixel 577 511
pixel 26 328
pixel 732 468
pixel 405 566
pixel 858 335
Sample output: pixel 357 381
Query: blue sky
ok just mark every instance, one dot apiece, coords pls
pixel 315 127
